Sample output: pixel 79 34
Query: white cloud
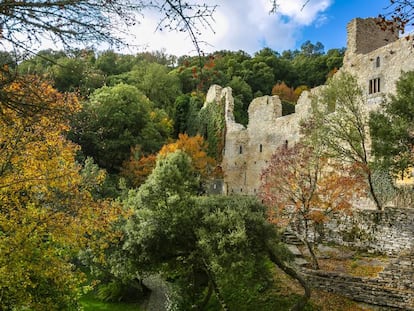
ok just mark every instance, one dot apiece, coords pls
pixel 238 25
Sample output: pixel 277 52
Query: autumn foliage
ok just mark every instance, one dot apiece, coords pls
pixel 286 93
pixel 137 169
pixel 47 214
pixel 301 188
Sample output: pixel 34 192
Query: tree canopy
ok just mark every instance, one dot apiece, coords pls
pixel 392 128
pixel 114 120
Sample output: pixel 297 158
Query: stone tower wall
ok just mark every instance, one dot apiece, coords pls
pixel 364 36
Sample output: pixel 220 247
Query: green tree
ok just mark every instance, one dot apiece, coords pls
pixel 392 128
pixel 340 124
pixel 116 119
pixel 111 63
pixel 216 243
pixel 243 95
pixel 160 85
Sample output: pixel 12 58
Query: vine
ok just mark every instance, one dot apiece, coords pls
pixel 212 127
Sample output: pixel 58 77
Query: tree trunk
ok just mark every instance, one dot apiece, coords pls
pixel 215 288
pixel 300 305
pixel 371 190
pixel 207 297
pixel 315 264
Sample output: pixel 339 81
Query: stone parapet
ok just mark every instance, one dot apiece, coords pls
pixel 375 291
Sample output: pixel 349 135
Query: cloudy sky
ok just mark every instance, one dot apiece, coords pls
pixel 247 25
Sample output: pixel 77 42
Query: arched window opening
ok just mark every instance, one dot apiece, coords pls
pixel 377 62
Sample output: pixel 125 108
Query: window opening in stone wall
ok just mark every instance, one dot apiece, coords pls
pixel 241 189
pixel 374 86
pixel 377 62
pixel 261 148
pixel 241 149
pixel 286 144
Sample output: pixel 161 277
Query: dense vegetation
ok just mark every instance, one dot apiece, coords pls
pixel 112 154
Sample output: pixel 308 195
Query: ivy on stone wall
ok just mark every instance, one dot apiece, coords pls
pixel 212 127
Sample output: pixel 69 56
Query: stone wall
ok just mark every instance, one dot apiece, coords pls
pixel 374 54
pixel 376 291
pixel 390 231
pixel 248 149
pixel 364 36
pixel 375 57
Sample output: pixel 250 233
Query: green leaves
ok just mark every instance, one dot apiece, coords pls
pixel 116 119
pixel 196 240
pixel 392 128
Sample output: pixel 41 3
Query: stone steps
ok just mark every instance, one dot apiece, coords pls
pixel 291 238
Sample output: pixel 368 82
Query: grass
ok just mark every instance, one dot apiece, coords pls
pixel 90 303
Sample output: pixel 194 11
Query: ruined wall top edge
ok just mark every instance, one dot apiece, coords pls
pixel 365 35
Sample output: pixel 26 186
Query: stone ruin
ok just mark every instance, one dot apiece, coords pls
pixel 375 57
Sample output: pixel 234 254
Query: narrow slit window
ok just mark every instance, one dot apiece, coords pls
pixel 260 148
pixel 377 62
pixel 240 149
pixel 374 86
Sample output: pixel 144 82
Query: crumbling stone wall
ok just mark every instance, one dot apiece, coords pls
pixel 248 149
pixel 377 291
pixel 390 231
pixel 364 36
pixel 375 57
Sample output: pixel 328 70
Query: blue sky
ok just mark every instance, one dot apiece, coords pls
pixel 332 34
pixel 247 25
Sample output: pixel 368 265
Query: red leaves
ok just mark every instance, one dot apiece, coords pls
pixel 302 184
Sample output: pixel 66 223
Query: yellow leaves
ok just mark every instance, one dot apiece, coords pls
pixel 47 214
pixel 196 148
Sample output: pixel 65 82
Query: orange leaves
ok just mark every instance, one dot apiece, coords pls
pixel 286 93
pixel 137 168
pixel 300 183
pixel 196 148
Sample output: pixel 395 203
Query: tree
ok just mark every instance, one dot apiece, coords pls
pixel 160 86
pixel 242 94
pixel 392 128
pixel 284 92
pixel 48 214
pixel 138 167
pixel 340 124
pixel 198 243
pixel 303 190
pixel 86 21
pixel 116 119
pixel 195 147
